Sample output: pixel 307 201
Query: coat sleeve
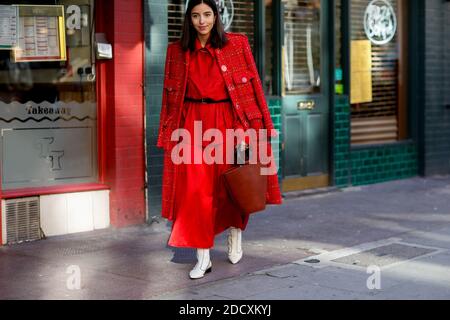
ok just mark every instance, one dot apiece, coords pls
pixel 163 115
pixel 258 89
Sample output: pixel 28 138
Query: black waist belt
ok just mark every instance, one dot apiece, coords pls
pixel 206 100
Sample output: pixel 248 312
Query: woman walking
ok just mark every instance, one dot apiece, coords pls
pixel 210 78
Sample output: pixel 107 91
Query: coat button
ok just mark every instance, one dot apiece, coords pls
pixel 224 68
pixel 244 80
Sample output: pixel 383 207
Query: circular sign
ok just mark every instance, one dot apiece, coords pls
pixel 226 12
pixel 380 22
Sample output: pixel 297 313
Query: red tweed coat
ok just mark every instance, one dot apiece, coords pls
pixel 244 87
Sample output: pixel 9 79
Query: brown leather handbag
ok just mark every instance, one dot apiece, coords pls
pixel 247 187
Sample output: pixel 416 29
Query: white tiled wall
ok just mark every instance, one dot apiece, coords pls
pixel 54 215
pixel 74 212
pixel 70 213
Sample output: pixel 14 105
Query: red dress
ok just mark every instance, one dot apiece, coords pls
pixel 202 206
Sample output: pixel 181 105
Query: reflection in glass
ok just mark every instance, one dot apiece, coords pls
pixel 301 51
pixel 48 109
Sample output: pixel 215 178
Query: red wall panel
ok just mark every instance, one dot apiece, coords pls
pixel 120 113
pixel 123 106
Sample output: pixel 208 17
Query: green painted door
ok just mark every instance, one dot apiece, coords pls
pixel 305 86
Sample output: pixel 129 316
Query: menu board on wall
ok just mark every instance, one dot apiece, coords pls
pixel 8 27
pixel 41 34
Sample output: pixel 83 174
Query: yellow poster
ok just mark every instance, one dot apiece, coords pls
pixel 361 71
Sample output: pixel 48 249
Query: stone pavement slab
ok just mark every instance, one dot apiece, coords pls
pixel 425 278
pixel 135 262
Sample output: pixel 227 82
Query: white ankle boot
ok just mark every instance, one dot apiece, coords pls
pixel 203 265
pixel 235 245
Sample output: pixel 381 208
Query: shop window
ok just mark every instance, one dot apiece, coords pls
pixel 48 117
pixel 301 52
pixel 237 16
pixel 339 72
pixel 378 71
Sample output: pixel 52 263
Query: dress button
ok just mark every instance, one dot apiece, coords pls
pixel 224 68
pixel 244 80
pixel 237 106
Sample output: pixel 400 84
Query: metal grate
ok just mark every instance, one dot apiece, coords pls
pixel 379 129
pixel 22 220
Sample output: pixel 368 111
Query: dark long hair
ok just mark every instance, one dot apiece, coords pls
pixel 218 37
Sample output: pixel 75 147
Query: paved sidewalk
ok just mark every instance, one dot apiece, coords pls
pixel 424 278
pixel 400 230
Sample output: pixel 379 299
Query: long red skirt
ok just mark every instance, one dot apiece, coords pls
pixel 202 207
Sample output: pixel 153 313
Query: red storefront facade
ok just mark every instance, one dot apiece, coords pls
pixel 120 163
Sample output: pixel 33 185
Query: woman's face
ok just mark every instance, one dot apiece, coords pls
pixel 203 19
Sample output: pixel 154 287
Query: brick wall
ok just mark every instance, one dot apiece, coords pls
pixel 383 163
pixel 124 110
pixel 367 165
pixel 275 112
pixel 341 142
pixel 437 87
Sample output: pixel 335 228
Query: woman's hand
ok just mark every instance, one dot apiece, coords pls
pixel 242 146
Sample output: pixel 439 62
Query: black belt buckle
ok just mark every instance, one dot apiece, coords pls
pixel 204 100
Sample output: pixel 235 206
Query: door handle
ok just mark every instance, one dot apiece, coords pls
pixel 306 105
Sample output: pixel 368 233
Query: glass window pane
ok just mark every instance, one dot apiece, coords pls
pixel 339 73
pixel 378 43
pixel 301 52
pixel 48 108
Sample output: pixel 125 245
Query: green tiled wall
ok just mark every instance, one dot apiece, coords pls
pixel 156 40
pixel 341 142
pixel 275 112
pixel 367 165
pixel 379 164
